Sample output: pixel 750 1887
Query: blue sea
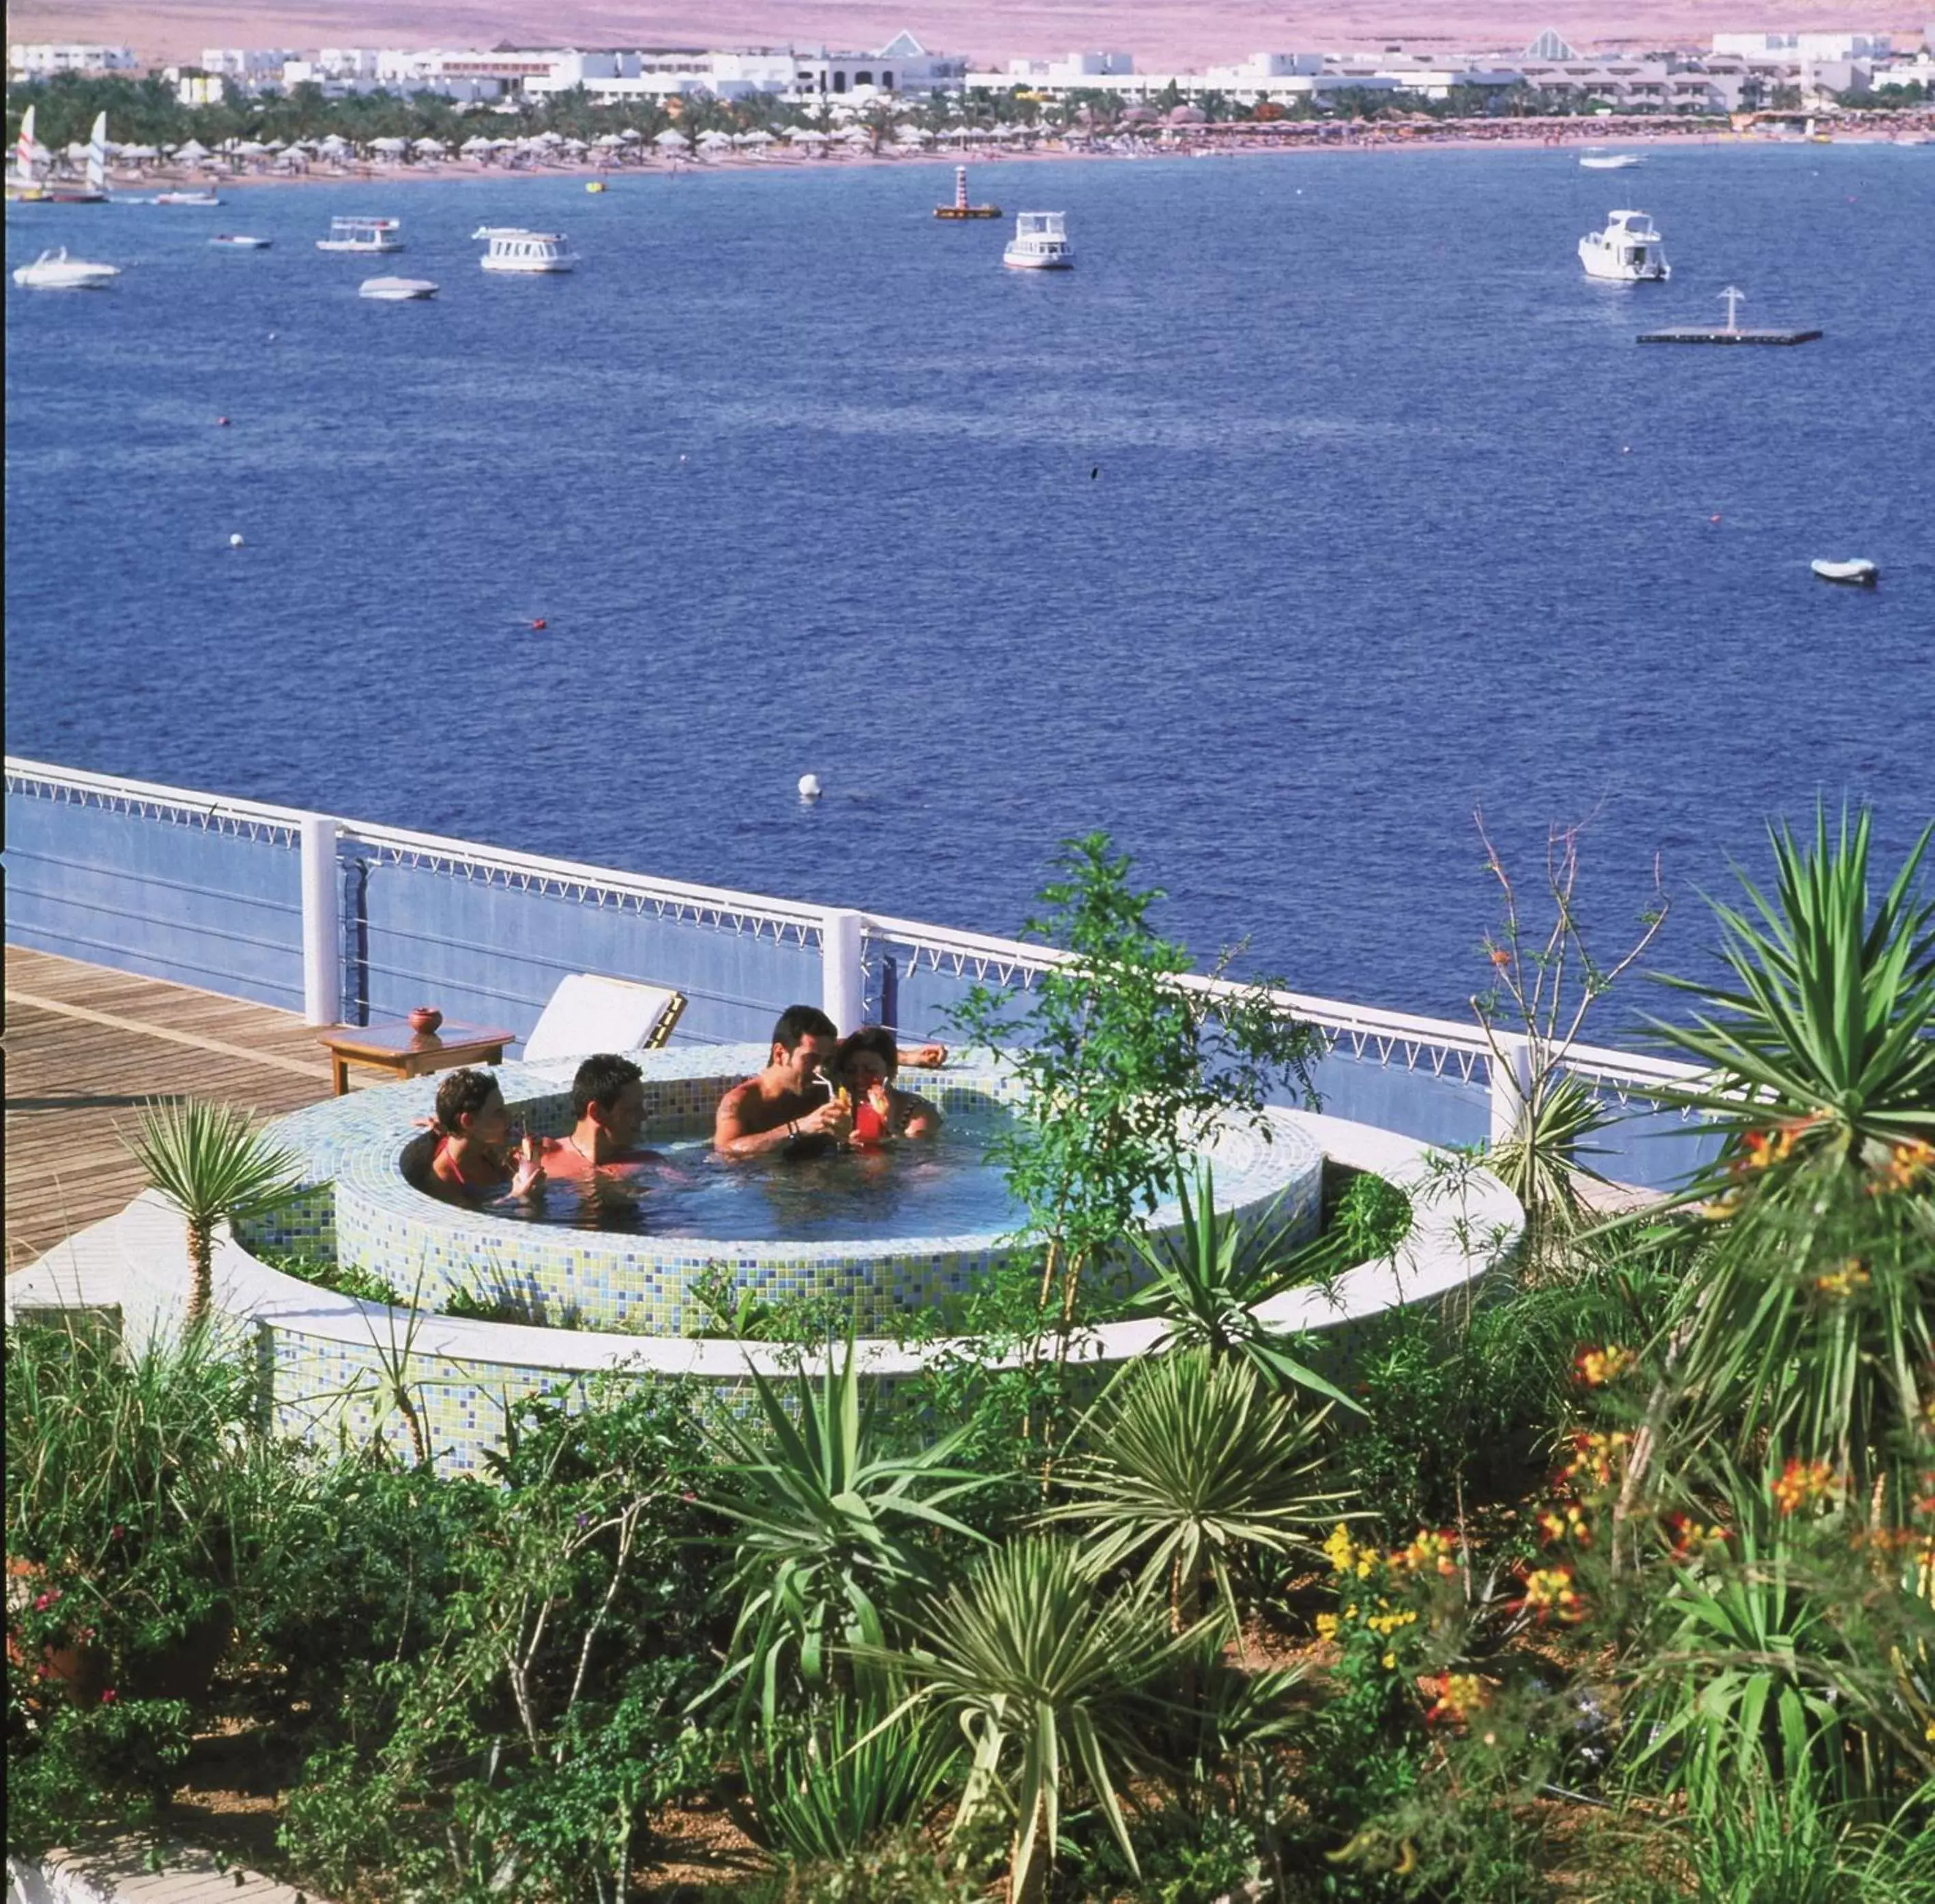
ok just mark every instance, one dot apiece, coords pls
pixel 1325 503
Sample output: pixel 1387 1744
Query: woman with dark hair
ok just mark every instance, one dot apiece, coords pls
pixel 474 1160
pixel 864 1066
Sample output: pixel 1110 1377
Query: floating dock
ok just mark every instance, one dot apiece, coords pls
pixel 1730 332
pixel 1725 337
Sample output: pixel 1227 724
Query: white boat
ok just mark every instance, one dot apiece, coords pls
pixel 1610 161
pixel 1041 243
pixel 26 186
pixel 397 290
pixel 513 249
pixel 240 241
pixel 365 235
pixel 1858 571
pixel 1628 251
pixel 54 270
pixel 198 195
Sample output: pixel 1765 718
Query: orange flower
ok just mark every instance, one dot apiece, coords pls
pixel 1597 1366
pixel 1500 957
pixel 1837 1285
pixel 1550 1594
pixel 1429 1552
pixel 1596 1457
pixel 1806 1484
pixel 1459 1695
pixel 1907 1164
pixel 1565 1520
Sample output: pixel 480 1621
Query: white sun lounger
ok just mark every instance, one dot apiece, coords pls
pixel 588 1014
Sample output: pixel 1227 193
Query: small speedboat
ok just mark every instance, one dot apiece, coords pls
pixel 1857 572
pixel 195 197
pixel 1610 161
pixel 54 270
pixel 397 290
pixel 239 241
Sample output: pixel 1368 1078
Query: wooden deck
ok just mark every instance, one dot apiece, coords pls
pixel 86 1047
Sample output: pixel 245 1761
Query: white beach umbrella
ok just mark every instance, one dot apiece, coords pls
pixel 573 145
pixel 673 141
pixel 712 139
pixel 477 142
pixel 631 136
pixel 913 135
pixel 332 142
pixel 759 136
pixel 857 135
pixel 550 139
pixel 429 148
pixel 805 135
pixel 194 149
pixel 141 152
pixel 76 151
pixel 391 146
pixel 253 149
pixel 607 141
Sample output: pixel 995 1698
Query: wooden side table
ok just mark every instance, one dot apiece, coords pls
pixel 395 1048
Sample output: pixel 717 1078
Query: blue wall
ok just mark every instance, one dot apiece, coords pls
pixel 169 898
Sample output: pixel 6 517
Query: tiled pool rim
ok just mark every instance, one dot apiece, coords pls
pixel 329 1362
pixel 363 1211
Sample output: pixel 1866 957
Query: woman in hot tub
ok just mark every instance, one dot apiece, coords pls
pixel 864 1066
pixel 476 1161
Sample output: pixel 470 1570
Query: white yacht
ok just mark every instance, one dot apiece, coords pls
pixel 1628 251
pixel 1040 242
pixel 364 235
pixel 513 249
pixel 241 241
pixel 54 270
pixel 1610 161
pixel 397 290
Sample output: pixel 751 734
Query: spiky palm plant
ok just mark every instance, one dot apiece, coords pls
pixel 214 1164
pixel 830 1517
pixel 1209 1276
pixel 1185 1464
pixel 1824 1044
pixel 1048 1679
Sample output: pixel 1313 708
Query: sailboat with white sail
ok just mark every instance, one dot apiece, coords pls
pixel 27 186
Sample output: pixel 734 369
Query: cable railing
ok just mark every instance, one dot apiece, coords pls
pixel 434 935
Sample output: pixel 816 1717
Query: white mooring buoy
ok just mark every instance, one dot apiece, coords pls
pixel 235 541
pixel 809 786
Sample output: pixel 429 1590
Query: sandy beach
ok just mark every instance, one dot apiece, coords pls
pixel 1518 136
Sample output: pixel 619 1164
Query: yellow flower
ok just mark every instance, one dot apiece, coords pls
pixel 1390 1662
pixel 1326 1626
pixel 1837 1285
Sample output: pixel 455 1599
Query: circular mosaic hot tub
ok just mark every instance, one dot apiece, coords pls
pixel 362 1209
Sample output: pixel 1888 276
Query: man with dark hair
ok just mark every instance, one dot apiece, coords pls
pixel 608 1105
pixel 788 1106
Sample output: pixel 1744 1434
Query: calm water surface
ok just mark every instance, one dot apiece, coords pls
pixel 942 1187
pixel 1325 501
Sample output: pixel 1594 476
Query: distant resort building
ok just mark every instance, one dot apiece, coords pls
pixel 1743 72
pixel 43 61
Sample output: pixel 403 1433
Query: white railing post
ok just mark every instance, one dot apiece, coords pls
pixel 843 994
pixel 321 923
pixel 1511 1084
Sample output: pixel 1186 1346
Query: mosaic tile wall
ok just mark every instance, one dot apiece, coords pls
pixel 642 1284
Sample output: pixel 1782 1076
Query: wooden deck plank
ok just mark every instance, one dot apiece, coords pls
pixel 86 1047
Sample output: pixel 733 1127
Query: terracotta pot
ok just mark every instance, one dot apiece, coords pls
pixel 425 1018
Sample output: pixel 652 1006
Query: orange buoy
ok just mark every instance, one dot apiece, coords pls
pixel 539 623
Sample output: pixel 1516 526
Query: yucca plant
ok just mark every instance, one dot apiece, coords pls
pixel 824 1784
pixel 830 1517
pixel 1209 1275
pixel 1183 1466
pixel 1824 1045
pixel 1048 1679
pixel 1540 1161
pixel 214 1164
